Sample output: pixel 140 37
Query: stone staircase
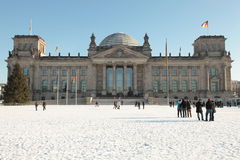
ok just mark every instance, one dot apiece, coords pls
pixel 109 101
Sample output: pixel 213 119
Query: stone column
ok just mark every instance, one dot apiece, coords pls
pixel 229 79
pixel 114 80
pixel 135 79
pixel 125 80
pixel 224 78
pixel 180 80
pixel 207 78
pixel 94 83
pixel 104 80
pixel 201 78
pixel 189 87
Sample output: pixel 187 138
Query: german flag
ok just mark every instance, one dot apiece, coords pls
pixel 205 24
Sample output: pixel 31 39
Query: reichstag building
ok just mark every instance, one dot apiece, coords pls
pixel 121 66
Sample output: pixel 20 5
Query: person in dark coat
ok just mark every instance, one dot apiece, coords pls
pixel 44 105
pixel 189 108
pixel 36 105
pixel 209 109
pixel 139 105
pixel 143 104
pixel 199 110
pixel 213 111
pixel 184 108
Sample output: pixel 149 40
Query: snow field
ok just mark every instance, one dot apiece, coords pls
pixel 100 133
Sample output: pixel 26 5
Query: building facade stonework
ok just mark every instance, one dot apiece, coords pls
pixel 120 66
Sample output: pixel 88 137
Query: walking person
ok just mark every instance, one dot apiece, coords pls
pixel 44 105
pixel 179 108
pixel 189 108
pixel 199 110
pixel 114 105
pixel 209 107
pixel 36 105
pixel 96 104
pixel 143 104
pixel 139 105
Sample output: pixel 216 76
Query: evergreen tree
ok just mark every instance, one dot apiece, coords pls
pixel 16 91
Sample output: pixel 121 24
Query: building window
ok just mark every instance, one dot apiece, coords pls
pixel 194 72
pixel 174 72
pixel 213 72
pixel 44 85
pixel 26 72
pixel 155 86
pixel 175 85
pixel 54 86
pixel 214 86
pixel 156 72
pixel 164 72
pixel 64 86
pixel 109 79
pixel 194 85
pixel 83 72
pixel 164 86
pixel 83 85
pixel 74 72
pixel 64 72
pixel 129 78
pixel 44 72
pixel 73 86
pixel 184 72
pixel 184 85
pixel 54 72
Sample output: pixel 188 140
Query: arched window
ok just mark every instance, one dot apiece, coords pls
pixel 73 86
pixel 184 85
pixel 175 85
pixel 214 86
pixel 64 85
pixel 155 86
pixel 213 72
pixel 194 85
pixel 54 86
pixel 44 85
pixel 53 72
pixel 83 85
pixel 164 86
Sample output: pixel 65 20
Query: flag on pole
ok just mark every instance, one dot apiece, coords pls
pixel 205 24
pixel 30 28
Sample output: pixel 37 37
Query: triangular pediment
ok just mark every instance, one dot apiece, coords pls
pixel 119 52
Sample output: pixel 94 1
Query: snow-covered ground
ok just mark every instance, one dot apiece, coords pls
pixel 90 133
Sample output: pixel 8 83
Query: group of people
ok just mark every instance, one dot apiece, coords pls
pixel 117 104
pixel 138 104
pixel 43 105
pixel 184 109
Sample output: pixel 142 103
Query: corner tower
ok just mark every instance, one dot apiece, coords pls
pixel 28 46
pixel 213 46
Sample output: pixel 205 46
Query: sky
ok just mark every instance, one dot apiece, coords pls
pixel 68 24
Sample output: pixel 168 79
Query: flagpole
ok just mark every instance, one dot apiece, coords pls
pixel 58 87
pixel 67 89
pixel 167 73
pixel 76 90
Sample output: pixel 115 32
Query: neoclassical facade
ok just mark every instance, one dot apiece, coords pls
pixel 120 66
